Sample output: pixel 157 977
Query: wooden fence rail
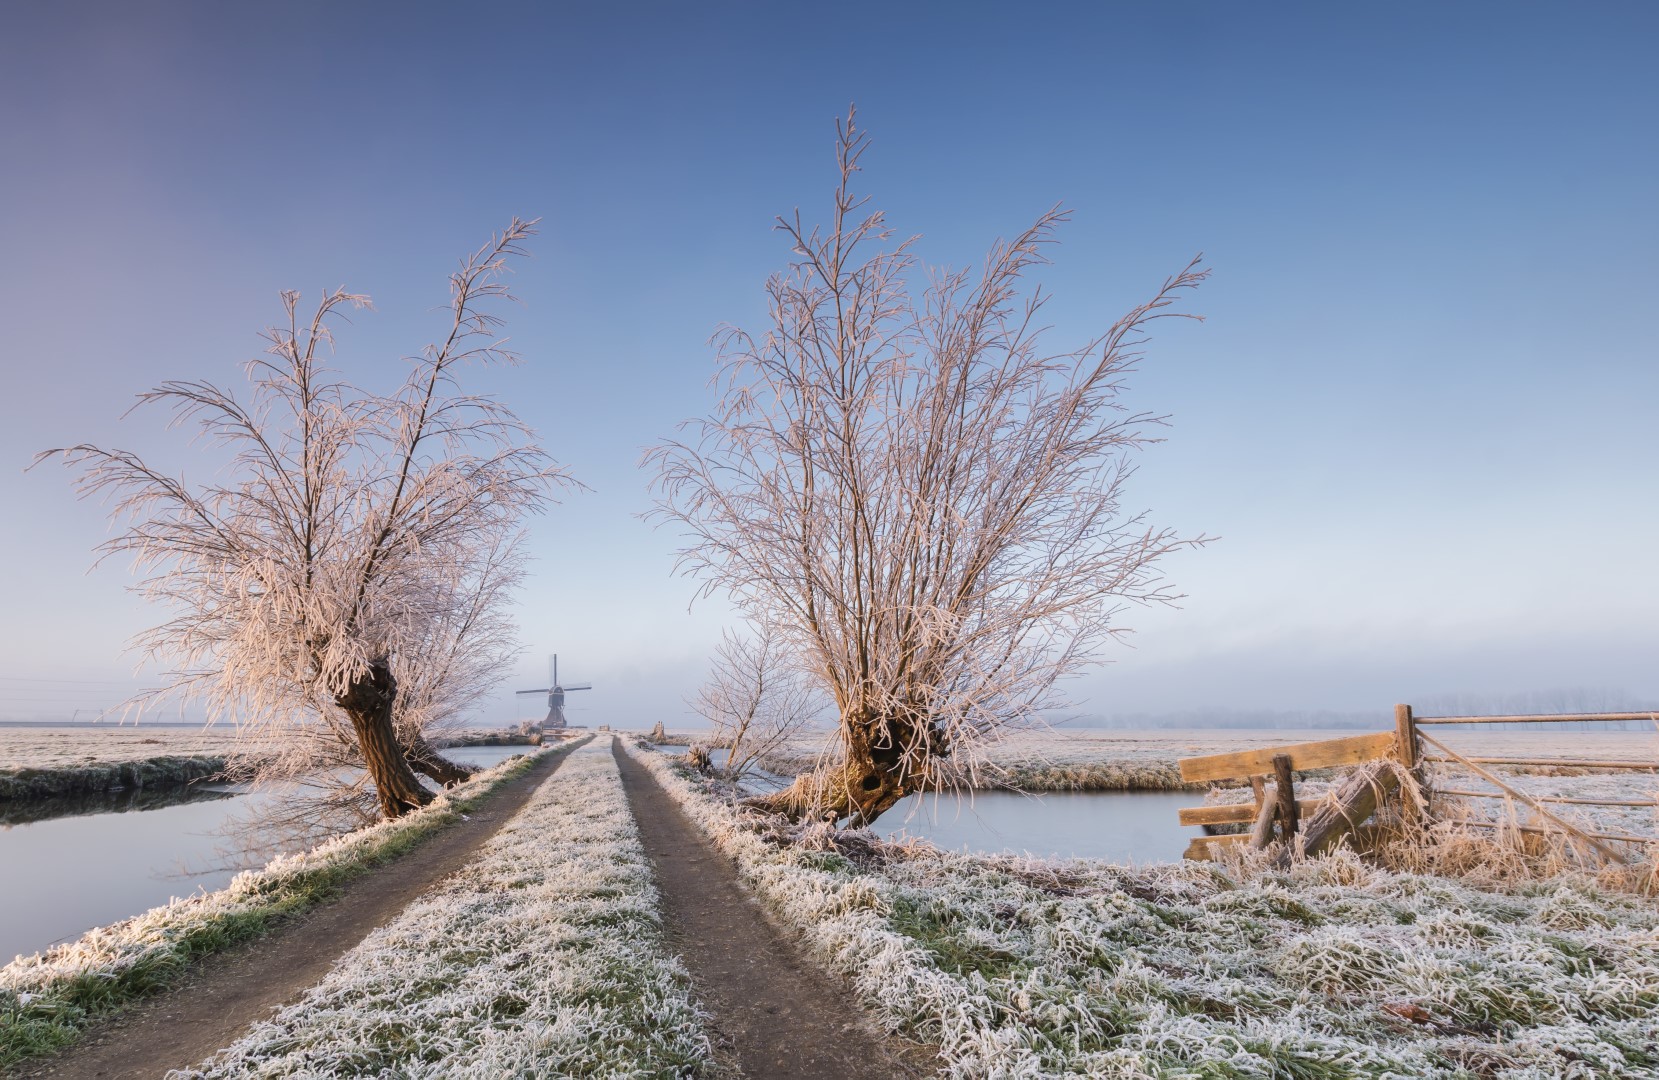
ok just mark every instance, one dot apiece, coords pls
pixel 1277 807
pixel 1555 718
pixel 1548 763
pixel 1460 793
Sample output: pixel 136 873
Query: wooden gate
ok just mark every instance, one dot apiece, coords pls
pixel 1278 807
pixel 1377 761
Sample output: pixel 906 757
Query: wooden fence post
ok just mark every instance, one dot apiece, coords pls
pixel 1405 729
pixel 1408 752
pixel 1287 796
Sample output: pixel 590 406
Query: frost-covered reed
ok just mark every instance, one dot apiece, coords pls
pixel 1334 968
pixel 46 999
pixel 544 957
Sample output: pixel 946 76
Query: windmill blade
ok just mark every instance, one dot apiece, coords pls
pixel 543 690
pixel 584 686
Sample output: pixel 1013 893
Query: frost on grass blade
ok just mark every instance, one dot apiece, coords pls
pixel 543 957
pixel 1334 968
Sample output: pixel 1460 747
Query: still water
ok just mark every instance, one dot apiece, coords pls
pixel 1118 826
pixel 68 874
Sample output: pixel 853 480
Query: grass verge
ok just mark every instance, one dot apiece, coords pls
pixel 46 1000
pixel 1332 968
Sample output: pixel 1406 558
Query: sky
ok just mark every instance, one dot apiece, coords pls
pixel 1417 418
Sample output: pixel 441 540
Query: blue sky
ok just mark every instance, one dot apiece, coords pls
pixel 1418 416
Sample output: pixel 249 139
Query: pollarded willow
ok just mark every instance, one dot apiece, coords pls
pixel 925 503
pixel 346 580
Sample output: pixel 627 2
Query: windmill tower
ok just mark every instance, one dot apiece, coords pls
pixel 555 695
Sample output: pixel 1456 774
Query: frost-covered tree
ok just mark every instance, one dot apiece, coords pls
pixel 755 699
pixel 923 500
pixel 345 576
pixel 456 661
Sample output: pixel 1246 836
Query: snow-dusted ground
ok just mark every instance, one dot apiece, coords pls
pixel 1334 968
pixel 544 957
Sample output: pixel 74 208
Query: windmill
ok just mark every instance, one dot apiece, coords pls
pixel 555 695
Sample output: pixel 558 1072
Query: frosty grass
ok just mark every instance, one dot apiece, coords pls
pixel 543 957
pixel 46 999
pixel 1021 968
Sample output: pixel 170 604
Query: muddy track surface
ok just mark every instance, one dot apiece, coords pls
pixel 231 990
pixel 775 1014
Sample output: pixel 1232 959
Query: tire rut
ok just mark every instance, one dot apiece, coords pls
pixel 774 1013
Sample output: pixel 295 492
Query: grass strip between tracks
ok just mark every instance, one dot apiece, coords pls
pixel 543 957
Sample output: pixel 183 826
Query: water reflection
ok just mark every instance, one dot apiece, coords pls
pixel 26 811
pixel 297 815
pixel 68 874
pixel 1117 826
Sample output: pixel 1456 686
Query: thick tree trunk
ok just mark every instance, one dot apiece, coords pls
pixel 368 703
pixel 883 764
pixel 425 759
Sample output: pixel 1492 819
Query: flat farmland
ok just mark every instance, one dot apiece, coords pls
pixel 61 748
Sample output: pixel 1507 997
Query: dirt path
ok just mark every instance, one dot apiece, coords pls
pixel 230 991
pixel 775 1014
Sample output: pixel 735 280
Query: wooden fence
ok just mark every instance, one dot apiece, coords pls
pixel 1357 797
pixel 1428 749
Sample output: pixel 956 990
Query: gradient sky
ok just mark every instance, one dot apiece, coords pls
pixel 1419 416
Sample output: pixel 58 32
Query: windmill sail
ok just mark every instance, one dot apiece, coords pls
pixel 555 695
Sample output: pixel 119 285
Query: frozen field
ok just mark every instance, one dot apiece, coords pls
pixel 1063 749
pixel 61 747
pixel 56 748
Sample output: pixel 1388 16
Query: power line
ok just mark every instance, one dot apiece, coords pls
pixel 71 682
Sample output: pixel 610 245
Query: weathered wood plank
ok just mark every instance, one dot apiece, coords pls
pixel 1405 736
pixel 1313 755
pixel 1233 813
pixel 1203 847
pixel 1261 833
pixel 1357 798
